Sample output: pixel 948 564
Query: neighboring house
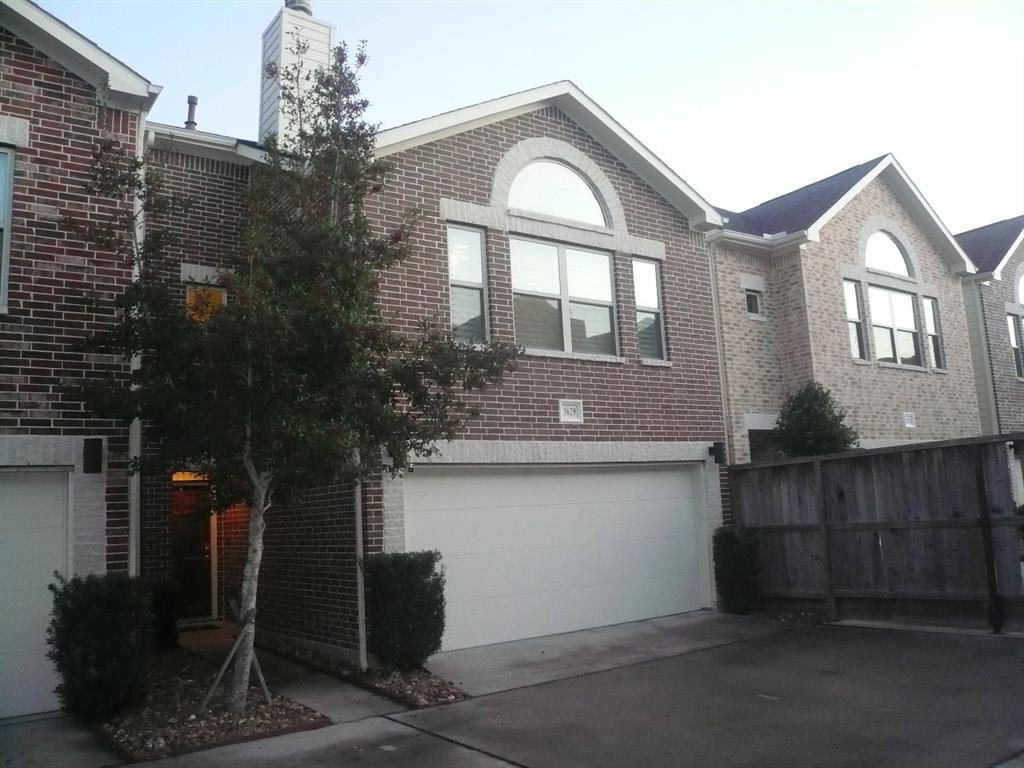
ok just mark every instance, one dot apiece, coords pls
pixel 995 296
pixel 584 495
pixel 852 281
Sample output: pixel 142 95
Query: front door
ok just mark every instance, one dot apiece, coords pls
pixel 190 530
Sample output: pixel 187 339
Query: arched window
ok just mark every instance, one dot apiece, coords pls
pixel 1020 288
pixel 555 189
pixel 884 254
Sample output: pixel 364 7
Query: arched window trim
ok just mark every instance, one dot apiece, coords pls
pixel 900 248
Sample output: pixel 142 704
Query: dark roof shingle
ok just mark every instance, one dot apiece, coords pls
pixel 989 244
pixel 798 210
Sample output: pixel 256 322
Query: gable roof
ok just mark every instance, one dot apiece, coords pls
pixel 992 245
pixel 582 110
pixel 799 216
pixel 800 209
pixel 118 84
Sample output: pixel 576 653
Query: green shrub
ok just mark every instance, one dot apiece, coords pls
pixel 811 423
pixel 164 603
pixel 405 607
pixel 736 569
pixel 99 638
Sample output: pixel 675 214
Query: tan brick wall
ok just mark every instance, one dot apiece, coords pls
pixel 805 335
pixel 1007 387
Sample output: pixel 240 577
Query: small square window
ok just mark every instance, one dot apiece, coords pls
pixel 201 301
pixel 755 302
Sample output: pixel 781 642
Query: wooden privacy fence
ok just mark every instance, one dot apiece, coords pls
pixel 920 532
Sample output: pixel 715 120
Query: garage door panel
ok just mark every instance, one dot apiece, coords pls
pixel 474 576
pixel 530 551
pixel 33 544
pixel 496 620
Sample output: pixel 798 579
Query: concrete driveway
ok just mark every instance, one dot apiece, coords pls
pixel 772 695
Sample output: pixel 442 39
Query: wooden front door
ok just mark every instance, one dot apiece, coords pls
pixel 190 531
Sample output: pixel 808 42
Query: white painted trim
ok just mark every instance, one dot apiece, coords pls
pixel 7 213
pixel 202 144
pixel 953 252
pixel 997 273
pixel 565 452
pixel 199 273
pixel 15 131
pixel 752 283
pixel 114 80
pixel 214 568
pixel 759 421
pixel 585 112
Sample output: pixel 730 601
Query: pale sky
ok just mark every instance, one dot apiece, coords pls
pixel 745 100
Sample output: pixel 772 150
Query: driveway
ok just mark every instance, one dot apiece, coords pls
pixel 772 695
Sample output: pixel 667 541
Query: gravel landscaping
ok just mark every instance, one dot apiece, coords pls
pixel 416 689
pixel 169 723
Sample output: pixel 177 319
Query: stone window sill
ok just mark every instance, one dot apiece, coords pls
pixel 574 356
pixel 654 363
pixel 896 367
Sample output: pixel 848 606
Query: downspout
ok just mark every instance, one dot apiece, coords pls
pixel 990 388
pixel 135 428
pixel 360 586
pixel 720 347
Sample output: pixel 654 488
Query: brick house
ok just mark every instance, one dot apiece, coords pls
pixel 995 298
pixel 544 222
pixel 852 281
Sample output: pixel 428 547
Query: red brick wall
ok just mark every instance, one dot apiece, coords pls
pixel 54 275
pixel 626 401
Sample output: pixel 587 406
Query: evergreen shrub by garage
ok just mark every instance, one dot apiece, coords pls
pixel 405 607
pixel 99 637
pixel 736 568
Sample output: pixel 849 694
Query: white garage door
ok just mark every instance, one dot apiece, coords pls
pixel 33 544
pixel 531 551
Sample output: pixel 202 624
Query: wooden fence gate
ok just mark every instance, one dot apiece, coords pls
pixel 926 532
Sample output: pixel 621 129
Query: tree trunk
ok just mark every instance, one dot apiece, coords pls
pixel 250 583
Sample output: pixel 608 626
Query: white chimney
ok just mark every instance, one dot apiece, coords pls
pixel 295 18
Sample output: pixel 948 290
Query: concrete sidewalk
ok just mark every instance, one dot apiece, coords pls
pixel 50 741
pixel 340 701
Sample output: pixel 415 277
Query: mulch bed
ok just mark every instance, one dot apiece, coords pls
pixel 416 689
pixel 169 723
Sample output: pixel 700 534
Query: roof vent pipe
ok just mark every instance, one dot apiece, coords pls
pixel 304 6
pixel 190 124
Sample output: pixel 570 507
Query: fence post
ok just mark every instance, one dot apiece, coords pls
pixel 824 536
pixel 994 606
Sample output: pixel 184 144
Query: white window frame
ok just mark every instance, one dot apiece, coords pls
pixel 860 321
pixel 894 328
pixel 936 360
pixel 565 299
pixel 6 221
pixel 659 311
pixel 759 298
pixel 482 286
pixel 1016 328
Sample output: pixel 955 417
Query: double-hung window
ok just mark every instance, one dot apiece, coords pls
pixel 647 293
pixel 562 298
pixel 1014 323
pixel 894 324
pixel 854 319
pixel 932 330
pixel 6 197
pixel 466 276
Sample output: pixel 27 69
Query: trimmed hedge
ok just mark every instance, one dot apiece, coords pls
pixel 405 607
pixel 99 637
pixel 736 568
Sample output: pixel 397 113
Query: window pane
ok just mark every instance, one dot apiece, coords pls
pixel 903 310
pixel 588 275
pixel 1018 361
pixel 931 322
pixel 556 190
pixel 648 336
pixel 935 352
pixel 884 350
pixel 909 347
pixel 1011 324
pixel 538 322
pixel 883 254
pixel 856 340
pixel 591 329
pixel 645 284
pixel 881 310
pixel 754 302
pixel 1020 289
pixel 534 267
pixel 465 264
pixel 852 305
pixel 201 302
pixel 5 171
pixel 468 314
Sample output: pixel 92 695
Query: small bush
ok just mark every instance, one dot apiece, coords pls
pixel 164 603
pixel 405 607
pixel 735 553
pixel 811 423
pixel 99 637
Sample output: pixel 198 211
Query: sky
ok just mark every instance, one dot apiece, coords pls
pixel 744 100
